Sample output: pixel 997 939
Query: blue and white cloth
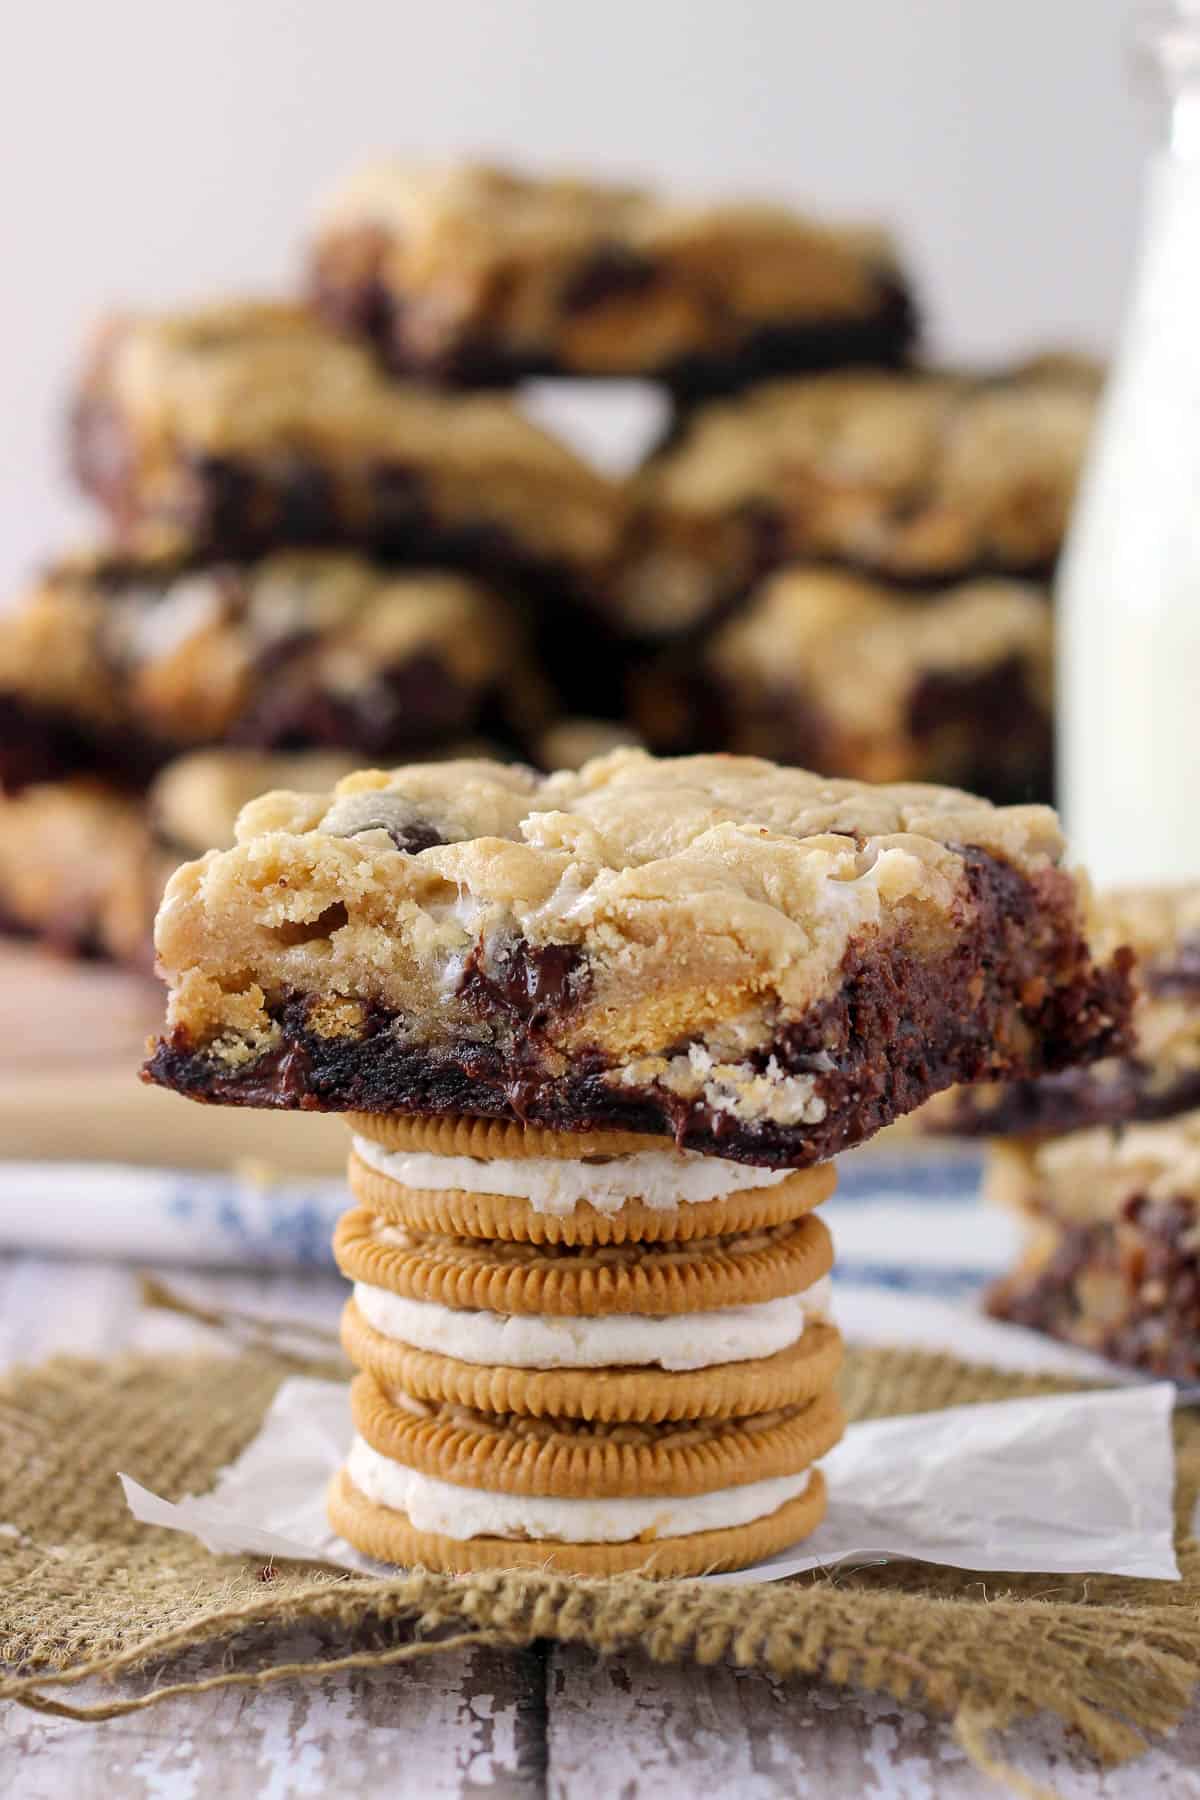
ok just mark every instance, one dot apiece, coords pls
pixel 907 1224
pixel 915 1247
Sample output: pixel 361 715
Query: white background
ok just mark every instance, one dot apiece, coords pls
pixel 153 152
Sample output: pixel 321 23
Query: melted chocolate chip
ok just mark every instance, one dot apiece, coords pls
pixel 528 982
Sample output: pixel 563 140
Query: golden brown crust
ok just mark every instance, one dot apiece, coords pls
pixel 729 1390
pixel 380 1532
pixel 457 1213
pixel 520 1453
pixel 584 1281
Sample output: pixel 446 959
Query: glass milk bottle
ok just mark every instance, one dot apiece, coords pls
pixel 1129 590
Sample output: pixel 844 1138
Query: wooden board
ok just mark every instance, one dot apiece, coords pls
pixel 74 1037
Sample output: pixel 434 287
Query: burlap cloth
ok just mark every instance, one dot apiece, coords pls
pixel 86 1591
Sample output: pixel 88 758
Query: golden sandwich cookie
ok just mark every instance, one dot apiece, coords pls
pixel 584 1281
pixel 792 1376
pixel 388 1535
pixel 475 1212
pixel 575 1459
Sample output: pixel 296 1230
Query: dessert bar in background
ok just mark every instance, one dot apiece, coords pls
pixel 480 275
pixel 114 667
pixel 1111 1262
pixel 712 948
pixel 833 672
pixel 915 478
pixel 245 427
pixel 1102 1165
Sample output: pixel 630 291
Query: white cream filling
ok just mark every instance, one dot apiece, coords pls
pixel 622 1340
pixel 462 1512
pixel 662 1179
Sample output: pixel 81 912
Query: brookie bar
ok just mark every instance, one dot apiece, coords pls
pixel 240 428
pixel 113 667
pixel 918 478
pixel 835 673
pixel 481 275
pixel 762 963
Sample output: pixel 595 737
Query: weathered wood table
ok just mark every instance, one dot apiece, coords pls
pixel 561 1723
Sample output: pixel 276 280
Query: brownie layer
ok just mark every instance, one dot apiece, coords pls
pixel 883 338
pixel 245 506
pixel 1017 992
pixel 1116 1093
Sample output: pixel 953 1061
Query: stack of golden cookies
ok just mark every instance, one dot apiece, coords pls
pixel 588 1352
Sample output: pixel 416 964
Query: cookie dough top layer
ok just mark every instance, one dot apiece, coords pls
pixel 707 877
pixel 244 382
pixel 598 278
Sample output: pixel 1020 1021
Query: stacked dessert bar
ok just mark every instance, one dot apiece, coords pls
pixel 938 498
pixel 598 1034
pixel 850 572
pixel 290 566
pixel 1102 1165
pixel 327 528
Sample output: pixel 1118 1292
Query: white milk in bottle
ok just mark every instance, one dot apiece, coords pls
pixel 1129 591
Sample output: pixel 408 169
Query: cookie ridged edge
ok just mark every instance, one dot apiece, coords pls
pixel 385 1534
pixel 494 1140
pixel 727 1390
pixel 458 1212
pixel 667 1280
pixel 574 1464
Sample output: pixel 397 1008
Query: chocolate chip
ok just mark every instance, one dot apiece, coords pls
pixel 376 810
pixel 528 981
